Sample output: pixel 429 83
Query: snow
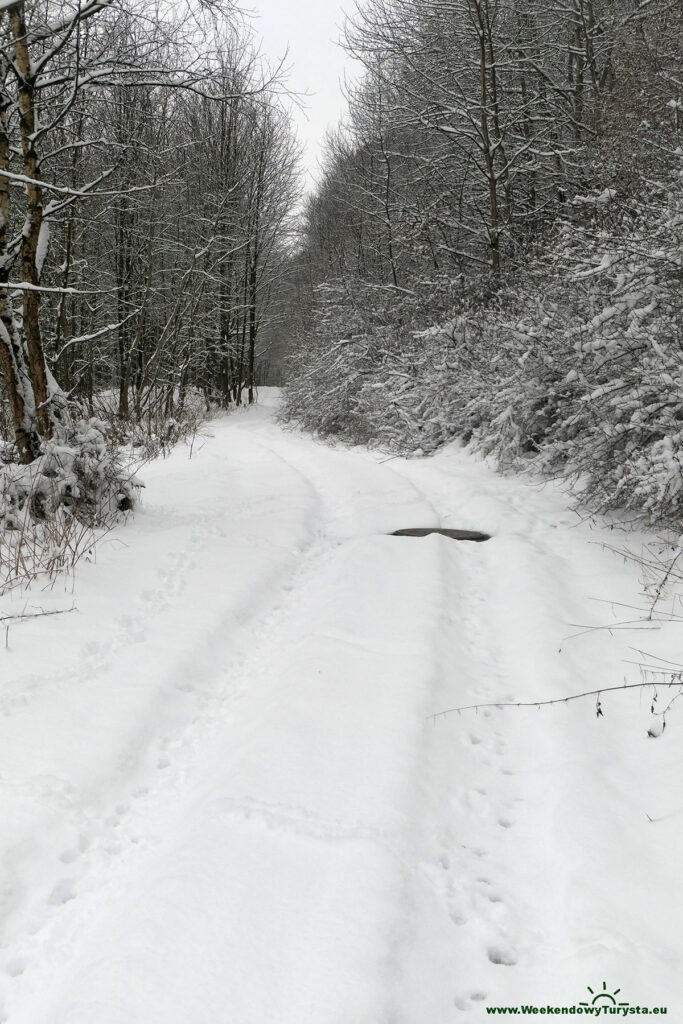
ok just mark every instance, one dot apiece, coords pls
pixel 42 245
pixel 606 196
pixel 224 795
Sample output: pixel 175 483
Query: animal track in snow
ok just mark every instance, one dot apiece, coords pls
pixel 62 893
pixel 463 1002
pixel 69 856
pixel 16 966
pixel 302 822
pixel 501 955
pixel 457 916
pixel 132 629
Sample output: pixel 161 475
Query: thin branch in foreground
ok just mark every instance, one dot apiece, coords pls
pixel 36 615
pixel 633 624
pixel 677 678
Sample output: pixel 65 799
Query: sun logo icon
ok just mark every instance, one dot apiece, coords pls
pixel 603 998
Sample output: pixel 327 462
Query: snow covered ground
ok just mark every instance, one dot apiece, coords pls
pixel 222 796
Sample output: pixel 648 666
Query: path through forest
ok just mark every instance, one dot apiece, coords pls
pixel 223 796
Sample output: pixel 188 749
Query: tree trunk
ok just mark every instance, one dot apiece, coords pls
pixel 12 361
pixel 31 235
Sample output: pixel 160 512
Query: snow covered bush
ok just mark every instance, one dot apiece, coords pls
pixel 53 509
pixel 328 372
pixel 575 368
pixel 366 375
pixel 594 379
pixel 79 473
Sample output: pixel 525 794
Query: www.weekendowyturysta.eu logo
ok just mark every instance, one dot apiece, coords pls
pixel 604 1002
pixel 603 998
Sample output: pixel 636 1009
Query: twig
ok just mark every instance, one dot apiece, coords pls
pixel 662 583
pixel 556 700
pixel 666 661
pixel 632 624
pixel 36 615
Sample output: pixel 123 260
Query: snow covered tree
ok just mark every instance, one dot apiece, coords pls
pixel 516 170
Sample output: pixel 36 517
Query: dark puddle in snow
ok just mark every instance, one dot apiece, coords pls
pixel 424 531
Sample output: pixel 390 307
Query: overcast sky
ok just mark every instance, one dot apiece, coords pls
pixel 310 28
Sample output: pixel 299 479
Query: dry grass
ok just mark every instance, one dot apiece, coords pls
pixel 46 549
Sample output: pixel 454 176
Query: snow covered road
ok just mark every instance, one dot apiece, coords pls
pixel 223 798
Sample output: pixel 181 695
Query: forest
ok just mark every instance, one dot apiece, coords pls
pixel 494 252
pixel 147 179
